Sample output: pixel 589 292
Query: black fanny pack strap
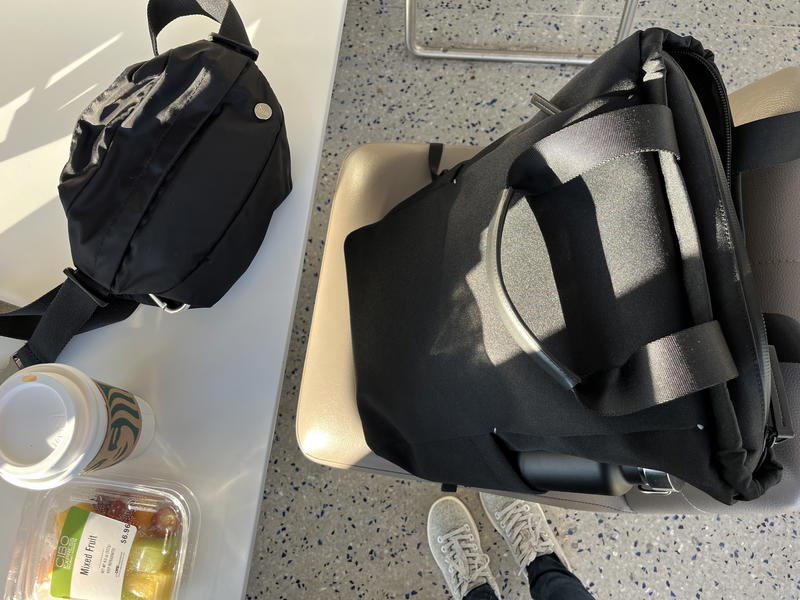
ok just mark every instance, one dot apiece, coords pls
pixel 64 318
pixel 161 13
pixel 671 367
pixel 50 322
pixel 20 323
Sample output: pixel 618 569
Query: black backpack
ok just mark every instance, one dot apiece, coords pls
pixel 173 175
pixel 580 287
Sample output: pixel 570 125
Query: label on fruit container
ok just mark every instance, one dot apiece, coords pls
pixel 91 557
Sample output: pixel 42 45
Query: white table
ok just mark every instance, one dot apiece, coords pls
pixel 213 376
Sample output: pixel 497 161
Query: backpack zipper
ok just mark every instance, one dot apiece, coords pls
pixel 760 326
pixel 726 107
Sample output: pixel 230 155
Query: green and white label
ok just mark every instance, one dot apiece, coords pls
pixel 91 557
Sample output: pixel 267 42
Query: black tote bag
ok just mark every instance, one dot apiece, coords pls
pixel 568 290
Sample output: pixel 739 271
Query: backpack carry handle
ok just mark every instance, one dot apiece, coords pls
pixel 665 369
pixel 512 320
pixel 161 13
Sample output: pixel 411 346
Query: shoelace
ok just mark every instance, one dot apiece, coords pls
pixel 526 539
pixel 464 562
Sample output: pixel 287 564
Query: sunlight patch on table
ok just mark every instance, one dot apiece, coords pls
pixel 8 110
pixel 61 73
pixel 30 180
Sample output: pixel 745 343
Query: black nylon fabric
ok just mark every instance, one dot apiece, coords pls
pixel 173 175
pixel 597 269
pixel 163 164
pixel 658 371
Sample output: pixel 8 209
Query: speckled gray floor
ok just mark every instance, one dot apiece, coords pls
pixel 336 534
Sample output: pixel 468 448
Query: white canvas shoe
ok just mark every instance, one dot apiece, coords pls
pixel 524 528
pixel 456 547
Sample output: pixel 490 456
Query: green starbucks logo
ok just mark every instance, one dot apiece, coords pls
pixel 124 427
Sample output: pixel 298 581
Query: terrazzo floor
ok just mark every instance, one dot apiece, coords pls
pixel 343 534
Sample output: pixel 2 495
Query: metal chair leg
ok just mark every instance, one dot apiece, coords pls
pixel 625 25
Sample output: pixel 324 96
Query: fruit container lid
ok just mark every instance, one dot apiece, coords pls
pixel 104 539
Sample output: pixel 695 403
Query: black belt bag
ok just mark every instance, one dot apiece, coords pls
pixel 580 287
pixel 173 175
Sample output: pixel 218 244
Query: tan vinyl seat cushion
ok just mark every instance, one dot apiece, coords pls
pixel 771 198
pixel 373 179
pixel 776 94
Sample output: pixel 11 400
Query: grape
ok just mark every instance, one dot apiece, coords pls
pixel 119 510
pixel 165 522
pixel 114 508
pixel 101 504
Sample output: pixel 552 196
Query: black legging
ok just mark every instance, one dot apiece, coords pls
pixel 549 579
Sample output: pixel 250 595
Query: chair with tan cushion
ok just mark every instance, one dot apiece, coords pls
pixel 376 177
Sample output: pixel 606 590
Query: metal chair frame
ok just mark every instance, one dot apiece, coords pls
pixel 499 55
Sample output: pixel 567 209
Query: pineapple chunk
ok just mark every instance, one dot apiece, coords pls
pixel 147 586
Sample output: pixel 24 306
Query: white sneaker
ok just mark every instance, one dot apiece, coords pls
pixel 524 528
pixel 456 547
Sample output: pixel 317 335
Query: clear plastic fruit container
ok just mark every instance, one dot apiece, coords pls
pixel 104 539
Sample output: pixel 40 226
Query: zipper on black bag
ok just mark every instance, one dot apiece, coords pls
pixel 770 436
pixel 724 103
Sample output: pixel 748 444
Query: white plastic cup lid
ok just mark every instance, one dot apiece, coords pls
pixel 33 421
pixel 46 427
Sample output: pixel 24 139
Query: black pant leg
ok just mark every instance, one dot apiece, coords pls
pixel 551 580
pixel 482 592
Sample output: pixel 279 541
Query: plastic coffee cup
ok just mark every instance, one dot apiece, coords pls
pixel 56 423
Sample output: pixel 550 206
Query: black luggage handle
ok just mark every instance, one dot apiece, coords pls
pixel 161 13
pixel 663 370
pixel 516 326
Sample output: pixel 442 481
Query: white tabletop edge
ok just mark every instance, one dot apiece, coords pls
pixel 322 136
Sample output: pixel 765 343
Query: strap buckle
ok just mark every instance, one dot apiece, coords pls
pixel 86 287
pixel 170 310
pixel 248 51
pixel 657 482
